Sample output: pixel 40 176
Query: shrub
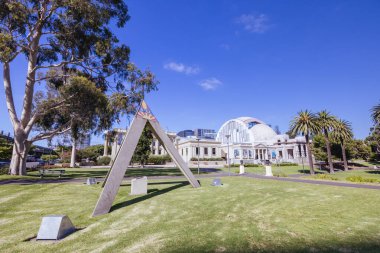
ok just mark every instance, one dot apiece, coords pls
pixel 104 160
pixel 287 164
pixel 245 165
pixel 325 177
pixel 49 157
pixel 4 170
pixel 195 159
pixel 361 179
pixel 158 160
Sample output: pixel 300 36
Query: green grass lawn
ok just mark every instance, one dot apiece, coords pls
pixel 344 175
pixel 71 173
pixel 242 215
pixel 276 170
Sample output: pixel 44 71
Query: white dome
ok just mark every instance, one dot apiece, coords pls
pixel 262 132
pixel 245 130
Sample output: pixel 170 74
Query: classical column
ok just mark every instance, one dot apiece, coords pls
pixel 106 140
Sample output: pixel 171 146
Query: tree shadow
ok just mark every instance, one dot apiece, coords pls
pixel 373 171
pixel 158 183
pixel 151 193
pixel 308 172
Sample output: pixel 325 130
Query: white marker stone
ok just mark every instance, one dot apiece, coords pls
pixel 55 227
pixel 268 171
pixel 242 169
pixel 139 186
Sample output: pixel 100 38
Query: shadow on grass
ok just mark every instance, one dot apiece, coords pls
pixel 323 246
pixel 308 172
pixel 153 172
pixel 373 171
pixel 152 193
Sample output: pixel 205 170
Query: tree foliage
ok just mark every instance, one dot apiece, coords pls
pixel 92 153
pixel 61 40
pixel 5 149
pixel 305 123
pixel 143 148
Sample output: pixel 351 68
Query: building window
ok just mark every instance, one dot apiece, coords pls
pixel 187 151
pixel 205 151
pixel 197 151
pixel 159 151
pixel 236 153
pixel 182 151
pixel 213 151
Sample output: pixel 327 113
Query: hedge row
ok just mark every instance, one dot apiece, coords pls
pixel 207 159
pixel 159 160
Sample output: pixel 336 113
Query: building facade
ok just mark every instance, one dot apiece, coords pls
pixel 244 139
pixel 253 141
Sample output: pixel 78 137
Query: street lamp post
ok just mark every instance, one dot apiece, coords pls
pixel 228 154
pixel 199 150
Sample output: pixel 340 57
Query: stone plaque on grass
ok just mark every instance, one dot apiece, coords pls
pixel 139 186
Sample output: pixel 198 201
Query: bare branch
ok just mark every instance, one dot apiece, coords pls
pixel 48 135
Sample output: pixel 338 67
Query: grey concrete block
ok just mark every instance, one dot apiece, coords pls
pixel 91 181
pixel 217 182
pixel 55 227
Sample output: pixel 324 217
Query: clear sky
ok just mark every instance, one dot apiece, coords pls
pixel 218 60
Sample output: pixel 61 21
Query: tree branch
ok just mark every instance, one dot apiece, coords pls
pixel 9 94
pixel 50 134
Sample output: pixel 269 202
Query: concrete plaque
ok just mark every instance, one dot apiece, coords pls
pixel 91 181
pixel 268 171
pixel 139 186
pixel 242 169
pixel 55 227
pixel 216 182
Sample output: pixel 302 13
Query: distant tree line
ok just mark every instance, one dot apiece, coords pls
pixel 328 137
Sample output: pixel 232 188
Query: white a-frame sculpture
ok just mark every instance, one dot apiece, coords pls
pixel 123 158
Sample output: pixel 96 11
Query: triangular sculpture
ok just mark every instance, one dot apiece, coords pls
pixel 116 173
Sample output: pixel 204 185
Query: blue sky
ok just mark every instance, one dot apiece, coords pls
pixel 218 60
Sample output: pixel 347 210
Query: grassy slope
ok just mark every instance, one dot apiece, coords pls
pixel 244 214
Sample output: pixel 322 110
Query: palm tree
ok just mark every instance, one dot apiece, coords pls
pixel 376 129
pixel 342 132
pixel 376 114
pixel 306 124
pixel 327 123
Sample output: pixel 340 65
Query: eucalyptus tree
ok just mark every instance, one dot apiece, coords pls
pixel 306 124
pixel 70 36
pixel 327 123
pixel 342 133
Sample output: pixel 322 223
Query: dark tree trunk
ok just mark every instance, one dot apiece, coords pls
pixel 309 154
pixel 344 156
pixel 329 156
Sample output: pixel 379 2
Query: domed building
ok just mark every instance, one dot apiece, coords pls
pixel 253 141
